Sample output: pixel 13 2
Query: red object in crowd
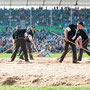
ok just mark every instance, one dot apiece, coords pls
pixel 0 43
pixel 43 29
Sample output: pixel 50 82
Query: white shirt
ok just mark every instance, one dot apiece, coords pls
pixel 68 29
pixel 28 35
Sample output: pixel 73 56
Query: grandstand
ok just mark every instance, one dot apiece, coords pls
pixel 56 18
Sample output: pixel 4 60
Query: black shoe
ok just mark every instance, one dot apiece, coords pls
pixel 60 61
pixel 27 61
pixel 21 58
pixel 11 60
pixel 31 58
pixel 78 60
pixel 75 62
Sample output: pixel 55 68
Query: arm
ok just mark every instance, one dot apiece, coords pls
pixel 32 42
pixel 66 35
pixel 13 44
pixel 79 40
pixel 30 39
pixel 13 39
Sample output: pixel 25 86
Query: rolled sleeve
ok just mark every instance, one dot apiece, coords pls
pixel 25 35
pixel 68 29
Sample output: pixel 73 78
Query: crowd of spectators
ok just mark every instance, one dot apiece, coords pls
pixel 44 39
pixel 5 40
pixel 41 17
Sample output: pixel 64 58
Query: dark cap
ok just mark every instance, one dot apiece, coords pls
pixel 81 23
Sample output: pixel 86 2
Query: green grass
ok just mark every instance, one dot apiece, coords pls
pixel 7 55
pixel 44 88
pixel 69 54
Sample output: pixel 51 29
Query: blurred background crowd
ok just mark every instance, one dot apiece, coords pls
pixel 41 19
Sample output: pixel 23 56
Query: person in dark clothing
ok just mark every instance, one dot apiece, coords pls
pixel 83 40
pixel 70 34
pixel 19 41
pixel 29 38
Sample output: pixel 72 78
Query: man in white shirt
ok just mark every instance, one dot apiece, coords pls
pixel 70 34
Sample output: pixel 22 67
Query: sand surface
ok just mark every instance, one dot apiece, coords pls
pixel 44 72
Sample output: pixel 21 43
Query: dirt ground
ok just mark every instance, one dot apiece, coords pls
pixel 44 72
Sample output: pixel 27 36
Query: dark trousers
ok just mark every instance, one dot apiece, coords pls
pixel 84 44
pixel 20 43
pixel 28 47
pixel 19 51
pixel 66 51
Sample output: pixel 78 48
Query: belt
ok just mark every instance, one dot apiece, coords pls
pixel 19 38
